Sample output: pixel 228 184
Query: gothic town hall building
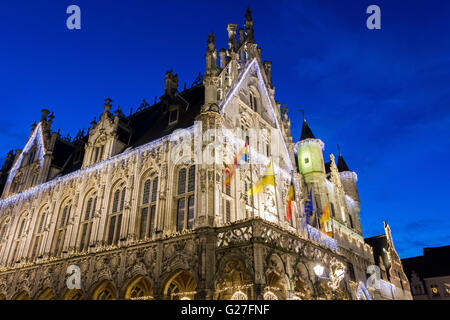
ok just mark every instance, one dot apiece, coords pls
pixel 145 217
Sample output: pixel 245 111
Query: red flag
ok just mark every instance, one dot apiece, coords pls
pixel 290 200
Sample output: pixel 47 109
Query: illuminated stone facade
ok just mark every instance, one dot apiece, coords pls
pixel 145 217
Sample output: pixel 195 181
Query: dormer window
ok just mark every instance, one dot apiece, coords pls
pixel 173 115
pixel 98 150
pixel 97 154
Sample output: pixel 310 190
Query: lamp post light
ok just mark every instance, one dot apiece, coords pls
pixel 318 270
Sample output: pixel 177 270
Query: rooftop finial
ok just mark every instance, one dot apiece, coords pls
pixel 249 25
pixel 108 105
pixel 211 42
pixel 339 149
pixel 303 113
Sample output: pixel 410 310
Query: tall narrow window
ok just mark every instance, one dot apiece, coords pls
pixel 185 201
pixel 3 232
pixel 253 102
pixel 19 239
pixel 87 221
pixel 148 207
pixel 115 217
pixel 333 214
pixel 227 183
pixel 39 233
pixel 61 228
pixel 227 198
pixel 227 211
pixel 351 271
pixel 350 220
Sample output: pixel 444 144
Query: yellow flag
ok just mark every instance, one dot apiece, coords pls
pixel 266 180
pixel 326 221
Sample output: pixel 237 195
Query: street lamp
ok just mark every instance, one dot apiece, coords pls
pixel 318 270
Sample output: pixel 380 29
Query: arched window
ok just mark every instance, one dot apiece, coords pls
pixel 4 224
pixel 185 198
pixel 98 149
pixel 87 219
pixel 61 227
pixel 148 207
pixel 19 238
pixel 39 231
pixel 239 295
pixel 350 220
pixel 115 217
pixel 253 101
pixel 227 199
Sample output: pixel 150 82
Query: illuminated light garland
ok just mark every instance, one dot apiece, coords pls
pixel 246 286
pixel 179 294
pixel 307 142
pixel 143 298
pixel 86 171
pixel 349 174
pixel 30 143
pixel 269 289
pixel 224 105
pixel 321 238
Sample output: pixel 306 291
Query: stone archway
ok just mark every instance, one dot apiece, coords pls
pixel 181 286
pixel 105 291
pixel 234 282
pixel 277 282
pixel 139 288
pixel 46 294
pixel 303 286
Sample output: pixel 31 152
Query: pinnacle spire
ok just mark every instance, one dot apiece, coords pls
pixel 249 26
pixel 342 166
pixel 306 132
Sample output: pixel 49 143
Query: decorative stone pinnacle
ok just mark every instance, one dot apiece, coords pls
pixel 211 42
pixel 248 15
pixel 108 105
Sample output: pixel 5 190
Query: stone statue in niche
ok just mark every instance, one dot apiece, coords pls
pixel 269 200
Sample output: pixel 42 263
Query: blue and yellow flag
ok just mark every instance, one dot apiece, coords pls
pixel 309 209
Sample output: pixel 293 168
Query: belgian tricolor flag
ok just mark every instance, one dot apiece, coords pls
pixel 290 200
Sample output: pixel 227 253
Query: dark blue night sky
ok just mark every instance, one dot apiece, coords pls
pixel 383 95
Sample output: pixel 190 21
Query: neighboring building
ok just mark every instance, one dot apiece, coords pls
pixel 393 283
pixel 429 274
pixel 145 214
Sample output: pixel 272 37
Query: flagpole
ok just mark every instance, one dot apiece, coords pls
pixel 275 189
pixel 315 207
pixel 250 159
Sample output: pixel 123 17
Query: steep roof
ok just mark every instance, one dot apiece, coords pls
pixel 152 123
pixel 341 165
pixel 306 132
pixel 149 124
